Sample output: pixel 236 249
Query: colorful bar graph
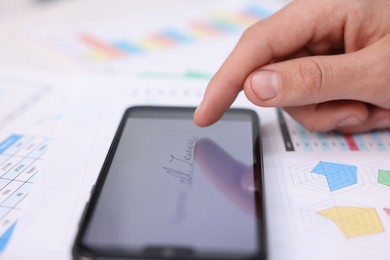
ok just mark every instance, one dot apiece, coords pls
pixel 101 46
pixel 128 47
pixel 217 24
pixel 257 11
pixel 178 36
pixel 202 30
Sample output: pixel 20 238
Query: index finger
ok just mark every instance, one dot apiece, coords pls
pixel 278 36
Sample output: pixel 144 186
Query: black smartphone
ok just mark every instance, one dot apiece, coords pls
pixel 169 189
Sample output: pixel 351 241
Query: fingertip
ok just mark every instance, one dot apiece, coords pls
pixel 218 97
pixel 202 116
pixel 198 118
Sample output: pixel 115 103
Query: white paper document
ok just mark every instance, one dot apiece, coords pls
pixel 90 118
pixel 326 193
pixel 30 113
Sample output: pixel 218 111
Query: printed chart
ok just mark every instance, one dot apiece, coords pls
pixel 330 198
pixel 351 221
pixel 297 138
pixel 220 23
pixel 177 44
pixel 20 160
pixel 31 110
pixel 354 221
pixel 323 176
pixel 379 173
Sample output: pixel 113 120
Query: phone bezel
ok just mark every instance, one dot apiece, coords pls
pixel 81 251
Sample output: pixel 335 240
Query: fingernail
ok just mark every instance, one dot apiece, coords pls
pixel 265 84
pixel 382 123
pixel 349 121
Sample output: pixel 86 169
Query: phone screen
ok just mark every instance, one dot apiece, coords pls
pixel 171 189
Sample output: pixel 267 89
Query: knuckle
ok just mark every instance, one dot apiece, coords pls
pixel 311 74
pixel 254 31
pixel 249 33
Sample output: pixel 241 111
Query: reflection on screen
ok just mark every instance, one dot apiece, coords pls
pixel 174 184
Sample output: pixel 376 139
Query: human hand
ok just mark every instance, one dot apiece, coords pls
pixel 327 63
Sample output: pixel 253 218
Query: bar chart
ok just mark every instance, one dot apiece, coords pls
pixel 98 47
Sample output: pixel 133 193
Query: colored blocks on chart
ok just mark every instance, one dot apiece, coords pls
pixel 258 11
pixel 177 36
pixel 101 46
pixel 4 239
pixel 9 142
pixel 387 210
pixel 226 23
pixel 128 47
pixel 384 177
pixel 203 30
pixel 338 176
pixel 354 222
pixel 97 55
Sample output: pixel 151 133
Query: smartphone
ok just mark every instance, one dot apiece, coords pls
pixel 169 189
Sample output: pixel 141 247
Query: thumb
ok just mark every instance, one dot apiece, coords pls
pixel 316 79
